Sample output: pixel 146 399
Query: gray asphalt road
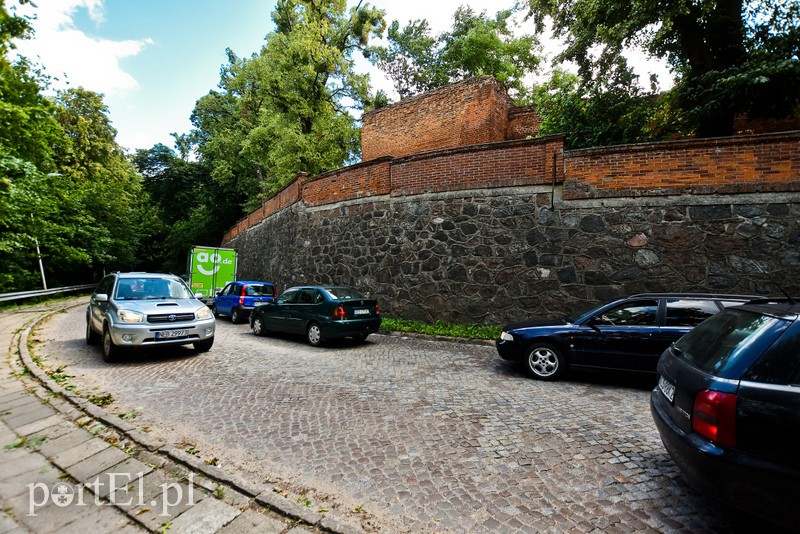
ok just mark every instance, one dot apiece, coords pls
pixel 416 435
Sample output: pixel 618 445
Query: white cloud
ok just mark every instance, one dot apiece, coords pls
pixel 73 57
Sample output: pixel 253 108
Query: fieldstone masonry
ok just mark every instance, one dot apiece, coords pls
pixel 498 255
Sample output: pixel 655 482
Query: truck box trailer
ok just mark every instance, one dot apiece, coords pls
pixel 209 270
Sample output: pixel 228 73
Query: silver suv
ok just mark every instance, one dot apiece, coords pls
pixel 146 310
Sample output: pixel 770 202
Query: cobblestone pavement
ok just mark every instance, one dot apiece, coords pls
pixel 416 435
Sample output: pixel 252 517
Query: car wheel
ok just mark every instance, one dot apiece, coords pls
pixel 111 351
pixel 314 334
pixel 544 361
pixel 204 346
pixel 92 337
pixel 258 326
pixel 236 316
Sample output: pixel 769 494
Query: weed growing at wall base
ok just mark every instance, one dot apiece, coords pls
pixel 440 328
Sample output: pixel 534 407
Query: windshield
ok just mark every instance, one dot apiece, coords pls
pixel 574 316
pixel 715 345
pixel 146 288
pixel 343 293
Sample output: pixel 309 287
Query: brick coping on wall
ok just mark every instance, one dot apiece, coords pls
pixel 585 173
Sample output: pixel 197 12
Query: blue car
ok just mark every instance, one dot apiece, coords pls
pixel 727 407
pixel 238 299
pixel 627 334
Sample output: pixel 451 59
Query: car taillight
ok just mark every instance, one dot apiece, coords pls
pixel 377 310
pixel 241 298
pixel 714 417
pixel 339 313
pixel 274 292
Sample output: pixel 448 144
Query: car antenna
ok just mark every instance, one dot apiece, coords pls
pixel 788 297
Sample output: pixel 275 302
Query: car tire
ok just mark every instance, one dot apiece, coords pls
pixel 204 346
pixel 236 316
pixel 314 335
pixel 258 326
pixel 214 311
pixel 544 361
pixel 92 337
pixel 111 352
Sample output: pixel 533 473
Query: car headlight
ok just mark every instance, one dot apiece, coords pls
pixel 203 313
pixel 505 336
pixel 128 316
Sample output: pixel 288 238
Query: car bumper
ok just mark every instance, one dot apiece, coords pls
pixel 739 480
pixel 144 335
pixel 354 327
pixel 508 350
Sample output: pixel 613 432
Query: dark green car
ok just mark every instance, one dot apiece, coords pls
pixel 318 312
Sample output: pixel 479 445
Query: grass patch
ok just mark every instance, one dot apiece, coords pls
pixel 440 328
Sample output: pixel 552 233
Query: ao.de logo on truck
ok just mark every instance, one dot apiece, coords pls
pixel 210 269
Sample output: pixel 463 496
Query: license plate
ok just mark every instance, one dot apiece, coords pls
pixel 167 334
pixel 667 388
pixel 360 312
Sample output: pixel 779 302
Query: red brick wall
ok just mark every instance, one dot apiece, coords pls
pixel 523 122
pixel 358 181
pixel 467 113
pixel 508 164
pixel 726 165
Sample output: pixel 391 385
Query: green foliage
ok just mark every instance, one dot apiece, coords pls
pixel 65 185
pixel 287 109
pixel 476 45
pixel 440 328
pixel 599 116
pixel 730 56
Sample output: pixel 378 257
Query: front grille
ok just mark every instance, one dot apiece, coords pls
pixel 170 317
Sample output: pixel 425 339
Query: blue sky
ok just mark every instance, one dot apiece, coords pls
pixel 152 59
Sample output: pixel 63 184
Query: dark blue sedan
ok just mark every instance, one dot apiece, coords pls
pixel 628 333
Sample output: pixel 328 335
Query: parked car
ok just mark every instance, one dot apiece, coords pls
pixel 130 310
pixel 238 299
pixel 727 406
pixel 628 333
pixel 320 313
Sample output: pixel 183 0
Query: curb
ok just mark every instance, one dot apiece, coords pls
pixel 267 499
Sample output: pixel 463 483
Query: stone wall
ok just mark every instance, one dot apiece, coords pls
pixel 498 255
pixel 502 231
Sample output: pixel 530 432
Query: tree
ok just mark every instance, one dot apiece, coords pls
pixel 730 56
pixel 599 115
pixel 288 108
pixel 100 188
pixel 476 45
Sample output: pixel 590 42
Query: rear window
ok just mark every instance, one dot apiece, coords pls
pixel 716 345
pixel 343 293
pixel 258 291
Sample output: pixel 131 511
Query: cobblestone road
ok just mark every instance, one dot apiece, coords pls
pixel 415 435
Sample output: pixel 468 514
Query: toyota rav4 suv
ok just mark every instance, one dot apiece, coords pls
pixel 132 310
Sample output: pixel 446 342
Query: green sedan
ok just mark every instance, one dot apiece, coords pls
pixel 319 313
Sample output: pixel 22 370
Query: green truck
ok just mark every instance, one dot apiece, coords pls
pixel 209 270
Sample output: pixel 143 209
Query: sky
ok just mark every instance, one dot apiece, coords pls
pixel 153 59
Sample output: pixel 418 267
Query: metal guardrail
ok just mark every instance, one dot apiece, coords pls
pixel 22 295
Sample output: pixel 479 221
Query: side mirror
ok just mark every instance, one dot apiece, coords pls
pixel 101 297
pixel 198 295
pixel 219 292
pixel 592 323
